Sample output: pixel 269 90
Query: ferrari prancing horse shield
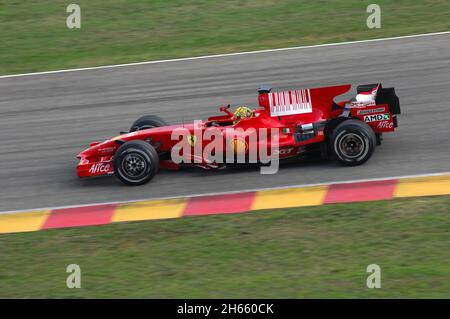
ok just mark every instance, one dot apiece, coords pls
pixel 192 139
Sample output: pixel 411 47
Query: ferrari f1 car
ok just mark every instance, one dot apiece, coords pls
pixel 308 120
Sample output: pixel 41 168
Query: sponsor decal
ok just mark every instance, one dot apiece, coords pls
pixel 385 125
pixel 356 104
pixel 239 145
pixel 290 102
pixel 192 139
pixel 106 149
pixel 371 111
pixel 284 151
pixel 100 168
pixel 376 118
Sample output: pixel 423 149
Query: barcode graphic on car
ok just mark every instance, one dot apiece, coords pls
pixel 290 102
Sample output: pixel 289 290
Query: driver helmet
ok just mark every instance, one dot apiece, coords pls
pixel 242 112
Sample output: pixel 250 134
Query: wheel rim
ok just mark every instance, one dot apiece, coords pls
pixel 351 145
pixel 134 165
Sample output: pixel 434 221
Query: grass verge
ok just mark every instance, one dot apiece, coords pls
pixel 34 36
pixel 310 252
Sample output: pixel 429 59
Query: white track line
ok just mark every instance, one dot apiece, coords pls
pixel 228 54
pixel 231 192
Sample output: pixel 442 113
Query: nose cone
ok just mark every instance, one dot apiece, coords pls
pixel 91 150
pixel 84 153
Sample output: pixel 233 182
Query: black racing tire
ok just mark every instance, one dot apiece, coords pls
pixel 352 142
pixel 135 163
pixel 147 121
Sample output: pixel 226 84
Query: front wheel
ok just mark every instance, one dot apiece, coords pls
pixel 353 142
pixel 147 121
pixel 135 163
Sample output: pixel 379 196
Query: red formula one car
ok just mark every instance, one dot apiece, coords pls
pixel 307 120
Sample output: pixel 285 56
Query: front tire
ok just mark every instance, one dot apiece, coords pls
pixel 353 142
pixel 147 121
pixel 135 163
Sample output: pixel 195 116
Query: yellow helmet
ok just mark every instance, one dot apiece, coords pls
pixel 242 112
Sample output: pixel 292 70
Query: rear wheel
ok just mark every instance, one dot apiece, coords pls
pixel 353 142
pixel 135 163
pixel 147 121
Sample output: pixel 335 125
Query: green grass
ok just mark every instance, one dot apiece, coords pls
pixel 292 253
pixel 34 36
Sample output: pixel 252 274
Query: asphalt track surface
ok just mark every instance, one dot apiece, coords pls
pixel 47 119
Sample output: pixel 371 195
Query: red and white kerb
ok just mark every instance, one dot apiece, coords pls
pixel 290 102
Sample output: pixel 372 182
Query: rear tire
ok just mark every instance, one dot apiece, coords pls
pixel 147 121
pixel 353 142
pixel 135 163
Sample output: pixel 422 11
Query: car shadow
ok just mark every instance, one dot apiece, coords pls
pixel 195 171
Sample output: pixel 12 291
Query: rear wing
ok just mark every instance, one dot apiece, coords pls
pixel 384 96
pixel 302 101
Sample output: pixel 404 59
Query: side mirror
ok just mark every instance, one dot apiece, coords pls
pixel 223 108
